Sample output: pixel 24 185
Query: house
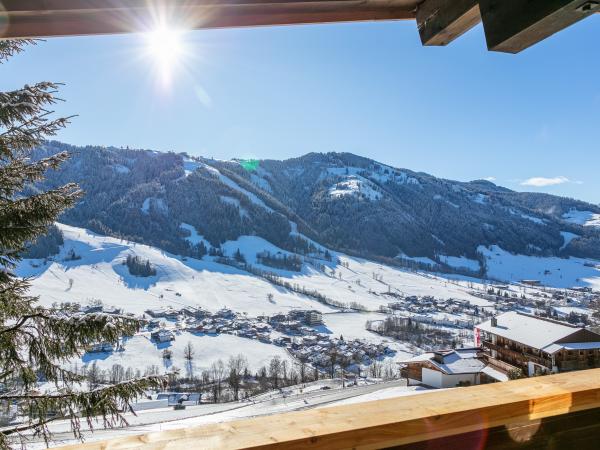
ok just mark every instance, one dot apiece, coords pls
pixel 179 398
pixel 531 282
pixel 313 317
pixel 101 347
pixel 449 368
pixel 162 336
pixel 535 345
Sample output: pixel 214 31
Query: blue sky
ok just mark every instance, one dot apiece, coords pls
pixel 458 112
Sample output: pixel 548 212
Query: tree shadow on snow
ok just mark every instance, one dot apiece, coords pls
pixel 132 281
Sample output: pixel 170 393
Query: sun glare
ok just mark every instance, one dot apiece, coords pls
pixel 165 48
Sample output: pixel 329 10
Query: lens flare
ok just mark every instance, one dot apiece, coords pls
pixel 165 48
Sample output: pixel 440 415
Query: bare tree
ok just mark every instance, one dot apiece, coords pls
pixel 275 371
pixel 188 354
pixel 94 376
pixel 117 373
pixel 217 371
pixel 237 367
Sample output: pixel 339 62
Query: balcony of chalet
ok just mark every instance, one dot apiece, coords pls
pixel 554 411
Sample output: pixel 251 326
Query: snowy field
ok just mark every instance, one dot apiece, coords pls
pixel 554 272
pixel 140 352
pixel 99 273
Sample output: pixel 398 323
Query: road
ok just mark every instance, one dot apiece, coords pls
pixel 265 404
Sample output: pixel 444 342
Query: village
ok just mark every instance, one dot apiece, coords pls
pixel 297 331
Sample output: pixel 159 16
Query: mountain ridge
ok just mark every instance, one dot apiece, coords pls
pixel 343 201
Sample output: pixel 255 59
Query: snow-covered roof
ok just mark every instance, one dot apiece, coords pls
pixel 495 374
pixel 454 362
pixel 553 348
pixel 528 330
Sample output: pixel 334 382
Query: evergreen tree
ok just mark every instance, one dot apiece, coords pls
pixel 36 342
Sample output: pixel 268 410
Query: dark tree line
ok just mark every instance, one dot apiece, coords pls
pixel 139 267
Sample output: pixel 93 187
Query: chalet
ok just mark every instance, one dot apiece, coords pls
pixel 101 347
pixel 537 345
pixel 162 336
pixel 449 368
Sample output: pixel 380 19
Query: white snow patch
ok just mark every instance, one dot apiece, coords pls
pixel 190 165
pixel 233 185
pixel 234 202
pixel 261 182
pixel 552 271
pixel 356 186
pixel 140 352
pixel 120 168
pixel 585 218
pixel 419 259
pixel 194 238
pixel 482 199
pixel 157 203
pixel 567 238
pixel 460 262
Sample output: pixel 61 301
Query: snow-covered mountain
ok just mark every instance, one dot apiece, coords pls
pixel 192 206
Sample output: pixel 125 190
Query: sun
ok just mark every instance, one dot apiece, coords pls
pixel 165 48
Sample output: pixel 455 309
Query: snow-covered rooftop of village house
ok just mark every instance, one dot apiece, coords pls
pixel 455 362
pixel 553 348
pixel 495 374
pixel 528 330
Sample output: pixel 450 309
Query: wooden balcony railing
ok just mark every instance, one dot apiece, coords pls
pixel 526 404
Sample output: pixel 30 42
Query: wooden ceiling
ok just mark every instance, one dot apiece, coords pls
pixel 44 18
pixel 509 25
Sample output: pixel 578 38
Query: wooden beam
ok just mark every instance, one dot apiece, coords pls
pixel 514 25
pixel 44 18
pixel 386 423
pixel 442 21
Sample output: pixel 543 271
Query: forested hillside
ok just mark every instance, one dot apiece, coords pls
pixel 191 206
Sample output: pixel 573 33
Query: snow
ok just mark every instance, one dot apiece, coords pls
pixel 533 219
pixel 460 262
pixel 419 259
pixel 120 168
pixel 158 204
pixel 523 215
pixel 202 283
pixel 480 198
pixel 233 185
pixel 140 352
pixel 235 202
pixel 394 177
pixel 528 330
pixel 190 165
pixel 585 218
pixel 356 186
pixel 567 238
pixel 194 238
pixel 551 271
pixel 261 182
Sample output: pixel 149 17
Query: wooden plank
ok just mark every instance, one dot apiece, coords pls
pixel 580 430
pixel 36 18
pixel 514 25
pixel 442 21
pixel 387 423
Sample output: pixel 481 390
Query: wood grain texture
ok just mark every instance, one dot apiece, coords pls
pixel 44 18
pixel 387 423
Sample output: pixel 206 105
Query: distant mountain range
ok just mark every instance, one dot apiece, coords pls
pixel 191 206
